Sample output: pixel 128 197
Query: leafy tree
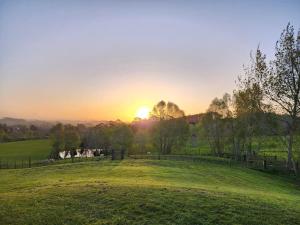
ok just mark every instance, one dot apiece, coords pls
pixel 3 133
pixel 121 137
pixel 281 82
pixel 249 108
pixel 171 129
pixel 57 139
pixel 221 106
pixel 215 123
pixel 140 140
pixel 165 111
pixel 98 137
pixel 72 139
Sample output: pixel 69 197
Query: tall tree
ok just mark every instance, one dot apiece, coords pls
pixel 121 137
pixel 249 107
pixel 57 139
pixel 165 111
pixel 215 123
pixel 72 139
pixel 170 129
pixel 281 82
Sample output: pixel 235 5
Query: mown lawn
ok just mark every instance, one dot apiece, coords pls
pixel 146 192
pixel 36 149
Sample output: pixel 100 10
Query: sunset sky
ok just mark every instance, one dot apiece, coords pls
pixel 102 60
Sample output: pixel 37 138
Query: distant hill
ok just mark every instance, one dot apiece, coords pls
pixel 9 121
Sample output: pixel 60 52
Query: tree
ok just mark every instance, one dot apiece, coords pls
pixel 249 108
pixel 281 82
pixel 4 133
pixel 121 137
pixel 215 123
pixel 140 140
pixel 170 129
pixel 221 106
pixel 98 137
pixel 165 111
pixel 72 139
pixel 57 139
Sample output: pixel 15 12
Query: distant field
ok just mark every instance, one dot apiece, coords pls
pixel 36 149
pixel 146 192
pixel 268 146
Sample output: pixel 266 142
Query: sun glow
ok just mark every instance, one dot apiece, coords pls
pixel 143 112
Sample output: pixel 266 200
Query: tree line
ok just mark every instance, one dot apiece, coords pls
pixel 21 132
pixel 168 129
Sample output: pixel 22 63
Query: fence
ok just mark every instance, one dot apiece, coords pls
pixel 29 162
pixel 267 163
pixel 264 163
pixel 16 163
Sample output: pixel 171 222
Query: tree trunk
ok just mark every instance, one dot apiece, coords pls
pixel 290 151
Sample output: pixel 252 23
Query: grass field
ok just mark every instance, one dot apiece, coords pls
pixel 36 149
pixel 146 192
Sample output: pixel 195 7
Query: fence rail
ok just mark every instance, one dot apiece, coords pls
pixel 29 162
pixel 266 163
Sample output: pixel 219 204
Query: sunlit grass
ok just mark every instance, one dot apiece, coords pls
pixel 36 149
pixel 146 192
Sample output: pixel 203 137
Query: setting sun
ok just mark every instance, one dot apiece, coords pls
pixel 143 112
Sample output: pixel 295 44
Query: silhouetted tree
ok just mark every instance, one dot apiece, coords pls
pixel 171 129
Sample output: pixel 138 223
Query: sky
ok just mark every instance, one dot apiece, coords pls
pixel 102 60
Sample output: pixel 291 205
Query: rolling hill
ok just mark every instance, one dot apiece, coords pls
pixel 146 192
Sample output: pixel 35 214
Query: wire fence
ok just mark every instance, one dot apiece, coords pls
pixel 28 162
pixel 264 163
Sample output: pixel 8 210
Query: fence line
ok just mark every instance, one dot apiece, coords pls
pixel 268 163
pixel 29 162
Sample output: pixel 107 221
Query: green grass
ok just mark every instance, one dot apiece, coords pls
pixel 36 149
pixel 146 192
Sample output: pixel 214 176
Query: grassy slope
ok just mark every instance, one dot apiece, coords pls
pixel 146 192
pixel 36 149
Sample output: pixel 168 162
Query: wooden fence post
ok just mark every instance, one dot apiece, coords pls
pixel 265 164
pixel 112 154
pixel 29 162
pixel 15 164
pixel 0 164
pixel 122 154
